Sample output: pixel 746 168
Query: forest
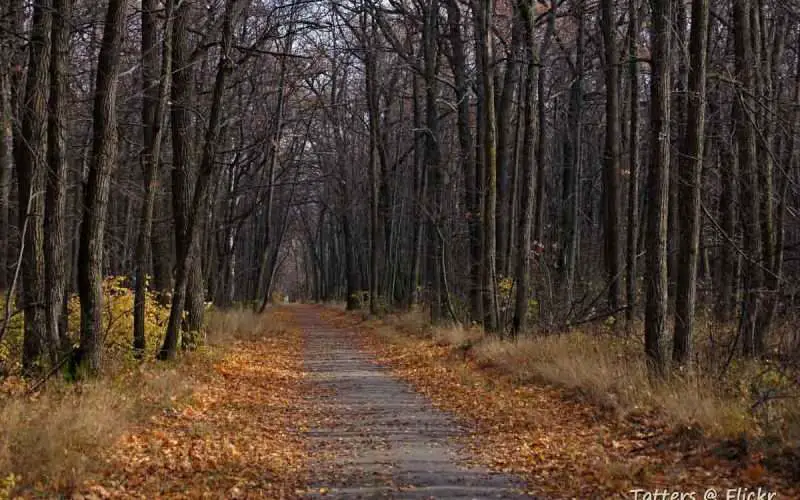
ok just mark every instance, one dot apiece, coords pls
pixel 527 168
pixel 481 159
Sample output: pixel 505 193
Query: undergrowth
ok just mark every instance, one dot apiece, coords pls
pixel 51 438
pixel 724 396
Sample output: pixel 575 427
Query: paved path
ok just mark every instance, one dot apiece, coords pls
pixel 382 439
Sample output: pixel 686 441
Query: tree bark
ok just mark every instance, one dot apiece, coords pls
pixel 744 106
pixel 420 195
pixel 155 90
pixel 678 102
pixel 12 17
pixel 6 138
pixel 30 151
pixel 55 259
pixel 573 152
pixel 658 187
pixel 95 204
pixel 633 180
pixel 458 64
pixel 611 158
pixel 529 169
pixel 485 39
pixel 433 167
pixel 199 200
pixel 505 161
pixel 373 103
pixel 691 163
pixel 771 232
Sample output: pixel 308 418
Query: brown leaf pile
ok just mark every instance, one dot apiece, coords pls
pixel 239 436
pixel 563 447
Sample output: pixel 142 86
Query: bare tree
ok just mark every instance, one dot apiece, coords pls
pixel 95 204
pixel 30 156
pixel 752 340
pixel 689 186
pixel 611 187
pixel 529 169
pixel 657 187
pixel 199 201
pixel 156 83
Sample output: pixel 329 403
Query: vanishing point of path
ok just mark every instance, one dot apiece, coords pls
pixel 379 438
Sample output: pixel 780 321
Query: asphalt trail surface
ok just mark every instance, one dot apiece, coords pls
pixel 381 439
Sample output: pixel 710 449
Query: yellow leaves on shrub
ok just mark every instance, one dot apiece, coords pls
pixel 7 484
pixel 11 345
pixel 117 316
pixel 117 321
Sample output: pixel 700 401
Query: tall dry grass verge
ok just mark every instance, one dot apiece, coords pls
pixel 722 397
pixel 52 441
pixel 244 324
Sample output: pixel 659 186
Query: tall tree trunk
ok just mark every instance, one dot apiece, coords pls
pixel 12 57
pixel 728 258
pixel 30 151
pixel 573 152
pixel 182 176
pixel 199 200
pixel 691 163
pixel 484 14
pixel 266 268
pixel 505 160
pixel 541 142
pixel 55 259
pixel 658 187
pixel 529 169
pixel 373 104
pixel 95 204
pixel 6 138
pixel 420 182
pixel 155 91
pixel 745 105
pixel 611 158
pixel 434 271
pixel 772 54
pixel 458 63
pixel 678 100
pixel 633 179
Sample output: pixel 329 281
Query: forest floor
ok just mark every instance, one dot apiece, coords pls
pixel 239 435
pixel 322 403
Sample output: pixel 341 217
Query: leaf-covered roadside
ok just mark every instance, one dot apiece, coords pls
pixel 239 435
pixel 563 447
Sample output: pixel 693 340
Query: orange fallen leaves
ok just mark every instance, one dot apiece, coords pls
pixel 239 436
pixel 563 447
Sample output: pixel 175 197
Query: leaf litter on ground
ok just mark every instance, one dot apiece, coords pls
pixel 240 434
pixel 562 446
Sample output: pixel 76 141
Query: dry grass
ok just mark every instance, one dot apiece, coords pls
pixel 755 398
pixel 612 373
pixel 243 324
pixel 52 441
